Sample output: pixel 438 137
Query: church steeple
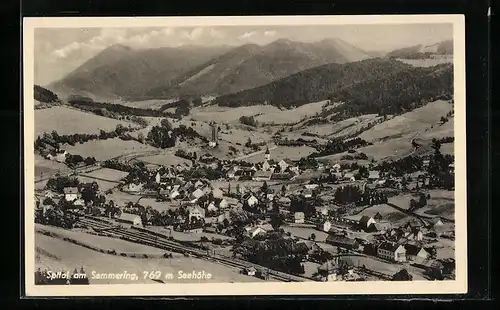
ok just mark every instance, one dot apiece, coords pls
pixel 267 154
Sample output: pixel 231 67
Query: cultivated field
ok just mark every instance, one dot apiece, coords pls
pixel 46 166
pixel 56 255
pixel 107 149
pixel 166 159
pixel 103 185
pixel 105 243
pixel 106 174
pixel 409 123
pixel 292 115
pixel 442 203
pixel 285 152
pixel 229 115
pixel 154 104
pixel 66 120
pixel 388 213
pixel 429 62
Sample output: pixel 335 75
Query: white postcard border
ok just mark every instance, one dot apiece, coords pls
pixel 459 285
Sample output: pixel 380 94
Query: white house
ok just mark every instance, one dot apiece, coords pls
pixel 327 225
pixel 61 157
pixel 133 219
pixel 78 202
pixel 323 210
pixel 255 231
pixel 307 193
pixel 436 222
pixel 217 192
pixel 266 166
pixel 198 184
pixel 175 192
pixel 336 167
pixel 415 252
pixel 197 194
pixel 392 251
pixel 374 175
pixel 299 217
pixel 133 187
pixel 212 207
pixel 349 176
pixel 223 204
pixel 196 212
pixel 311 186
pixel 365 221
pixel 71 193
pixel 251 200
pixel 284 164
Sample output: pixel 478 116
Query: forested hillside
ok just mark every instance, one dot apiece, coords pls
pixel 314 84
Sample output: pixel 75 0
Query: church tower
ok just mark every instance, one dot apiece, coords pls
pixel 267 154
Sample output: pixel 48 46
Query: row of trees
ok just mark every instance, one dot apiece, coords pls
pixel 164 136
pixel 402 166
pixel 49 143
pixel 337 145
pixel 351 194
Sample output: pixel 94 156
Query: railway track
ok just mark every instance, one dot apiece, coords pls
pixel 158 242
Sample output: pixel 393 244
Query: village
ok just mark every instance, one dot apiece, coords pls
pixel 313 220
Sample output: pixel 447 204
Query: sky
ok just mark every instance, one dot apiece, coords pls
pixel 58 51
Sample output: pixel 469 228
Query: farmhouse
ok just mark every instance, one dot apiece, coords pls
pixel 217 193
pixel 175 192
pixel 311 186
pixel 392 251
pixel 128 218
pixel 374 175
pixel 71 193
pixel 307 193
pixel 262 175
pixel 223 204
pixel 299 217
pixel 212 207
pixel 133 187
pixel 255 231
pixel 197 194
pixel 281 176
pixel 366 221
pixel 415 252
pixel 323 210
pixel 342 241
pixel 196 212
pixel 327 225
pixel 349 176
pixel 284 164
pixel 250 199
pixel 436 222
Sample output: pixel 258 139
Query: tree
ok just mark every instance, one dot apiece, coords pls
pixel 402 275
pixel 140 137
pixel 422 201
pixel 264 188
pixel 248 143
pixel 413 204
pixel 276 221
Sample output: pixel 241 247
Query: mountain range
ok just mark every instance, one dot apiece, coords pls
pixel 121 72
pixel 368 86
pixel 444 47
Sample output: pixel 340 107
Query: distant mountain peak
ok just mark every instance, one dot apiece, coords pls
pixel 118 47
